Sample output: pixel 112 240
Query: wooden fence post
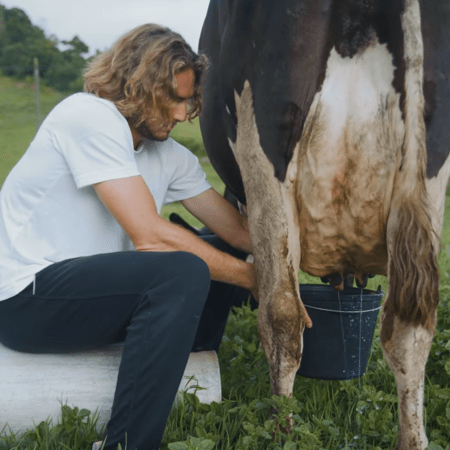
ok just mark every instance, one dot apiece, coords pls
pixel 37 100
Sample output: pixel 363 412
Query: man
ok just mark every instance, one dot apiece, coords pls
pixel 86 194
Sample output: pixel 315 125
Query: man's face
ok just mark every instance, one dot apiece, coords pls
pixel 161 131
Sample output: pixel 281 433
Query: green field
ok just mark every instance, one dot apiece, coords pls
pixel 18 119
pixel 18 122
pixel 359 414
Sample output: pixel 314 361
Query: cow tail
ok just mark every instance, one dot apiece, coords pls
pixel 413 273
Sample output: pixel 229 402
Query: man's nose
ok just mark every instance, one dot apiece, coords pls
pixel 179 112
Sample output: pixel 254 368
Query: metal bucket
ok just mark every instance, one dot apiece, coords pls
pixel 337 347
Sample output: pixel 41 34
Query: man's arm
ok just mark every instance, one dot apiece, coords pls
pixel 221 218
pixel 130 201
pixel 225 221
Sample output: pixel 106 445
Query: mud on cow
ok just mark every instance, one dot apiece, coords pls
pixel 329 120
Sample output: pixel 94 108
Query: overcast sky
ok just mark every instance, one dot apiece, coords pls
pixel 98 23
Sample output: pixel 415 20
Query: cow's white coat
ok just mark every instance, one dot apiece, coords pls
pixel 355 88
pixel 350 152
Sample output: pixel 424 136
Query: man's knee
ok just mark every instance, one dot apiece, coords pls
pixel 191 275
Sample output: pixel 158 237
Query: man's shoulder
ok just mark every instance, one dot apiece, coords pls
pixel 84 105
pixel 83 111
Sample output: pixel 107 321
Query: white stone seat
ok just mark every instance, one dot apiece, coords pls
pixel 33 386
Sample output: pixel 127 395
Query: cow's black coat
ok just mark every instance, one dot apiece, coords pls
pixel 281 48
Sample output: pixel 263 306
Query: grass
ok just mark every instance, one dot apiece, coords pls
pixel 358 414
pixel 18 119
pixel 190 136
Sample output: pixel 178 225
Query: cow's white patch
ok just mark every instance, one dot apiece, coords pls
pixel 355 88
pixel 350 152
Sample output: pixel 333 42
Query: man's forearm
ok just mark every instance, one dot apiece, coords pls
pixel 166 236
pixel 220 217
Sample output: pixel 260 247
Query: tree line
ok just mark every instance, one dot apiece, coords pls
pixel 21 42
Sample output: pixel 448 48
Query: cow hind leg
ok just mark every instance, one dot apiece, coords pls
pixel 275 239
pixel 408 317
pixel 406 347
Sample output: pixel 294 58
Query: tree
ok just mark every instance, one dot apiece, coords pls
pixel 2 27
pixel 66 71
pixel 78 46
pixel 21 42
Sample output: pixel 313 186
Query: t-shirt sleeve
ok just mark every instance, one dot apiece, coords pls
pixel 96 144
pixel 187 178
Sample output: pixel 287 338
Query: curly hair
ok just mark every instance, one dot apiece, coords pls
pixel 138 74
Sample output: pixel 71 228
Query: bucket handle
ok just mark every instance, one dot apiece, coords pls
pixel 340 311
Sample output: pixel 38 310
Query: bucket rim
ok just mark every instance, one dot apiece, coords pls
pixel 319 289
pixel 345 311
pixel 326 298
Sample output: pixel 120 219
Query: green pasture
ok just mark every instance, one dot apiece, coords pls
pixel 359 414
pixel 18 122
pixel 18 119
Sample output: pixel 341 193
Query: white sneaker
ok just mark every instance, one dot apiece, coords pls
pixel 97 445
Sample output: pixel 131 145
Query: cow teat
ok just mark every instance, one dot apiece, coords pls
pixel 340 281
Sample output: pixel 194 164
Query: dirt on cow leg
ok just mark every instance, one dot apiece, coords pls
pixel 274 232
pixel 281 328
pixel 406 349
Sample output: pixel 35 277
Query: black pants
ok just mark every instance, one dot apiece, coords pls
pixel 161 305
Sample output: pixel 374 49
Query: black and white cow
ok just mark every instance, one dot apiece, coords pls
pixel 329 120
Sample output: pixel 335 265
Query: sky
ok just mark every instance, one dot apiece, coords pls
pixel 99 23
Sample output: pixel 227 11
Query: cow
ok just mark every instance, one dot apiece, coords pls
pixel 328 120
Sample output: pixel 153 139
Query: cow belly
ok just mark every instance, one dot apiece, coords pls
pixel 349 154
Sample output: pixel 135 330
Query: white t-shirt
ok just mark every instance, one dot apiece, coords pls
pixel 49 210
